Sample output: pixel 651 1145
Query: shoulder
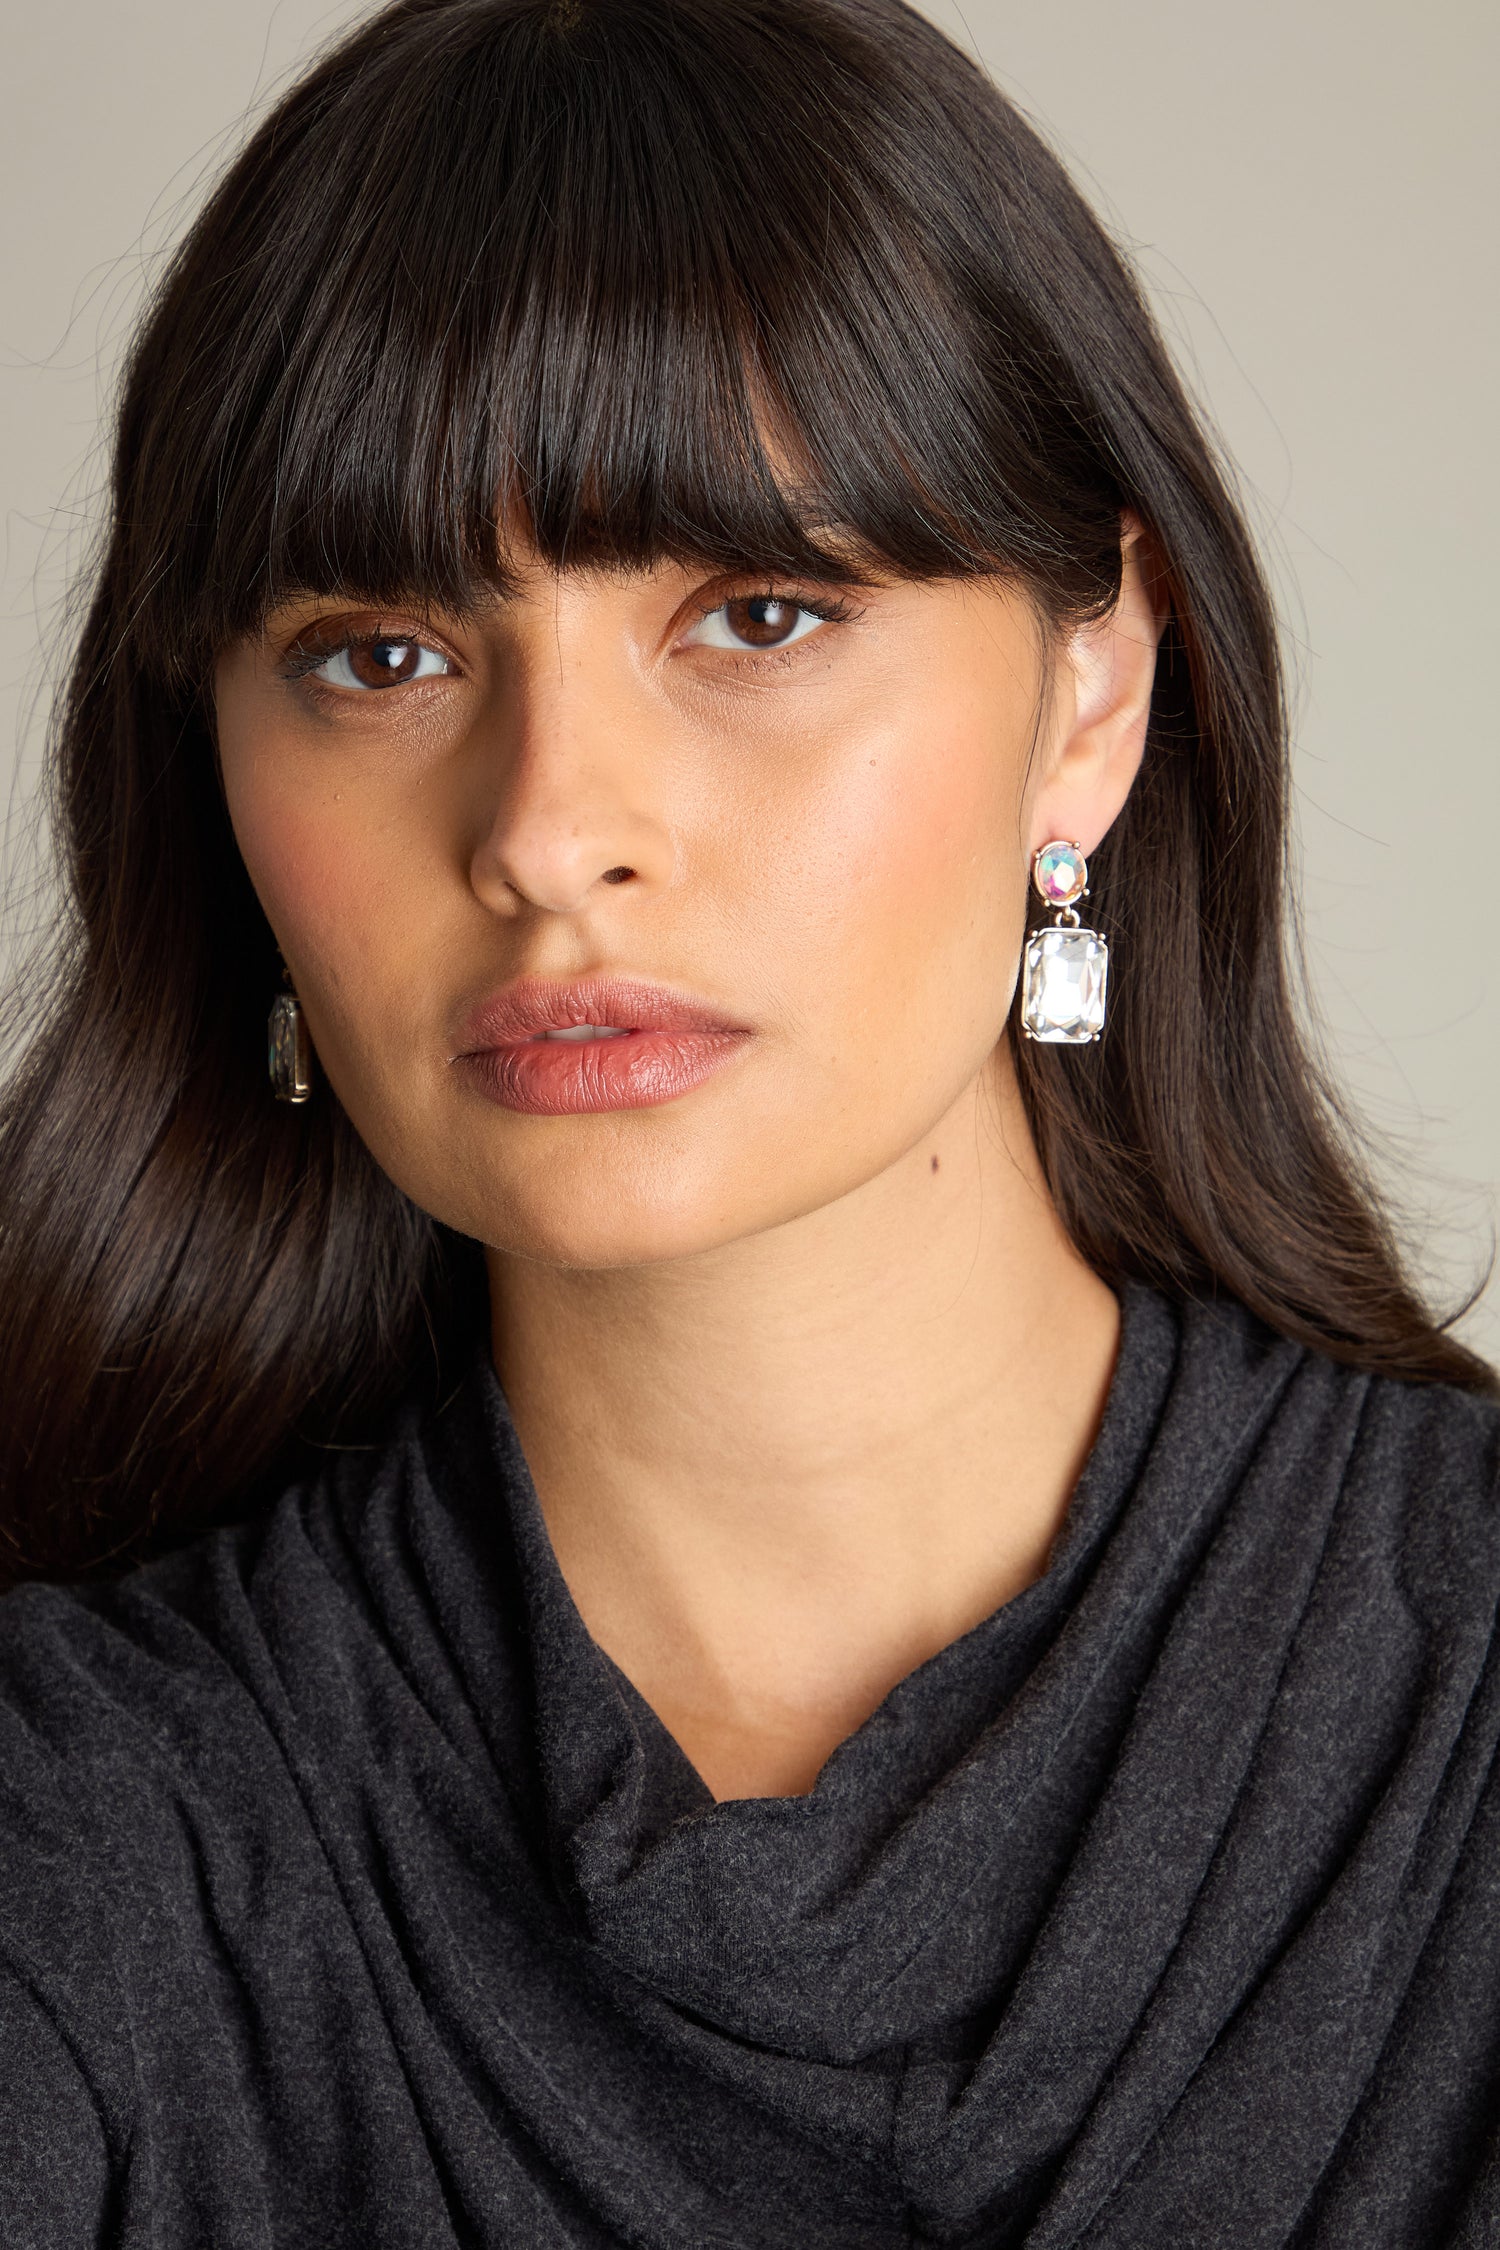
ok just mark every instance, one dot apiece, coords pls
pixel 196 1759
pixel 1405 1473
pixel 232 1685
pixel 162 1740
pixel 146 1665
pixel 1428 1454
pixel 1439 1440
pixel 1403 1477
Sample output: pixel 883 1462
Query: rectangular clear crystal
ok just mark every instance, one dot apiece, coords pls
pixel 1063 997
pixel 288 1050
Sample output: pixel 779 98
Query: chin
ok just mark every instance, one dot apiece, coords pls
pixel 592 1238
pixel 643 1189
pixel 597 1210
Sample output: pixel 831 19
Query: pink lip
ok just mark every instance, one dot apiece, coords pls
pixel 668 1045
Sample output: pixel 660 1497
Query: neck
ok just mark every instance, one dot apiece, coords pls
pixel 780 1474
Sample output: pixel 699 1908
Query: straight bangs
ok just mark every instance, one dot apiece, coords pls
pixel 582 282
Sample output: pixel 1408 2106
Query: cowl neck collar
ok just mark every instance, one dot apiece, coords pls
pixel 894 1901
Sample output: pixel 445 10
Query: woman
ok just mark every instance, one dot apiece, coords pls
pixel 781 1560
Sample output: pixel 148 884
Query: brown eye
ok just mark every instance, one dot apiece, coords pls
pixel 756 621
pixel 384 663
pixel 763 621
pixel 381 660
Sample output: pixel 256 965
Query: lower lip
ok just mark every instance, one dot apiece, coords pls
pixel 571 1077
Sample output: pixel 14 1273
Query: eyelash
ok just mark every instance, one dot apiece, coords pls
pixel 828 607
pixel 300 665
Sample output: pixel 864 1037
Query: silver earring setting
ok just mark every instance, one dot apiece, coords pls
pixel 288 1049
pixel 1066 966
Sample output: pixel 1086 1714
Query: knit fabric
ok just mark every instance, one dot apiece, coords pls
pixel 352 1899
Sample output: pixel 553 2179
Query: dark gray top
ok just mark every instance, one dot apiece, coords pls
pixel 350 1896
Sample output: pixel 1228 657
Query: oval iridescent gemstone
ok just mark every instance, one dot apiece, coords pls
pixel 1060 872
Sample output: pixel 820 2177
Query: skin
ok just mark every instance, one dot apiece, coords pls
pixel 802 1361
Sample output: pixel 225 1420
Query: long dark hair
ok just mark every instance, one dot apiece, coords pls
pixel 688 278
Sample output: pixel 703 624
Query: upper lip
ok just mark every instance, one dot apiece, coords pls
pixel 529 1005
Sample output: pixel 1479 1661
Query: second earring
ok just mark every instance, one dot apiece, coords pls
pixel 1066 966
pixel 288 1050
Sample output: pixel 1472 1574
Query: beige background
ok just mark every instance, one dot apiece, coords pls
pixel 1309 186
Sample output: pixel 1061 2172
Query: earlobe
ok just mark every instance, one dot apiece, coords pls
pixel 1107 672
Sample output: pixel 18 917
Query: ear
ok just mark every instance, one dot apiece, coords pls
pixel 1101 701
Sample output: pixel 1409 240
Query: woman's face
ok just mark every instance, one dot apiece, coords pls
pixel 775 837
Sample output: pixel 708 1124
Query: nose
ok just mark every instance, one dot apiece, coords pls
pixel 571 805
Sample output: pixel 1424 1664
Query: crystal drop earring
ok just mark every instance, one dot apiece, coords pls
pixel 1066 966
pixel 288 1049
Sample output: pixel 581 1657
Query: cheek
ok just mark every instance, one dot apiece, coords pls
pixel 307 876
pixel 346 898
pixel 903 879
